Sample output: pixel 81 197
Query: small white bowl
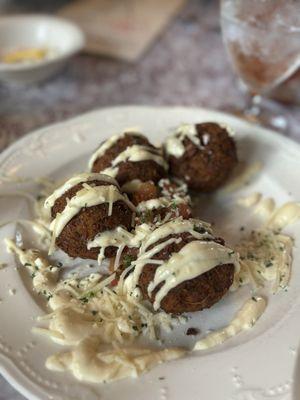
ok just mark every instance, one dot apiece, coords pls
pixel 62 38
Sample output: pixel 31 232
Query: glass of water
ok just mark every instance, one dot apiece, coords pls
pixel 262 38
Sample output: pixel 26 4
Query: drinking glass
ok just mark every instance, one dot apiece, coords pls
pixel 262 38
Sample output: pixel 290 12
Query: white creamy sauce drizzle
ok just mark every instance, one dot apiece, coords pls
pixel 251 200
pixel 177 226
pixel 135 153
pixel 92 363
pixel 108 143
pixel 87 315
pixel 174 144
pixel 285 215
pixel 120 238
pixel 75 180
pixel 115 237
pixel 244 320
pixel 192 260
pixel 266 254
pixel 86 197
pixel 159 202
pixel 276 218
pixel 241 176
pixel 44 275
pixel 262 206
pixel 265 207
pixel 229 129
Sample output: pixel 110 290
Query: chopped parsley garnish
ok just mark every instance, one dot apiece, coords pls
pixel 86 298
pixel 174 205
pixel 127 260
pixel 199 229
pixel 268 264
pixel 147 216
pixel 251 256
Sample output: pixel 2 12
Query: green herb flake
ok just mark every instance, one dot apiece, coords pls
pixel 127 260
pixel 174 205
pixel 268 264
pixel 199 229
pixel 84 299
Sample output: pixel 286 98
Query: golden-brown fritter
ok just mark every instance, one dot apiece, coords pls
pixel 90 221
pixel 191 295
pixel 206 168
pixel 144 170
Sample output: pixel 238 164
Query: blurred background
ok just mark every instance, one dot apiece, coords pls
pixel 184 62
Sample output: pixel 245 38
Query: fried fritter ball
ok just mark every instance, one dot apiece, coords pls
pixel 91 220
pixel 175 247
pixel 160 202
pixel 128 157
pixel 192 295
pixel 202 155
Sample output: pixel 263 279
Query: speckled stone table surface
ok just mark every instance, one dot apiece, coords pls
pixel 187 65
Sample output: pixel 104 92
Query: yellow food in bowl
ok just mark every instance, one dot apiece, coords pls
pixel 21 55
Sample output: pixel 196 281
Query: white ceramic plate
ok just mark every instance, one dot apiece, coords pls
pixel 257 365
